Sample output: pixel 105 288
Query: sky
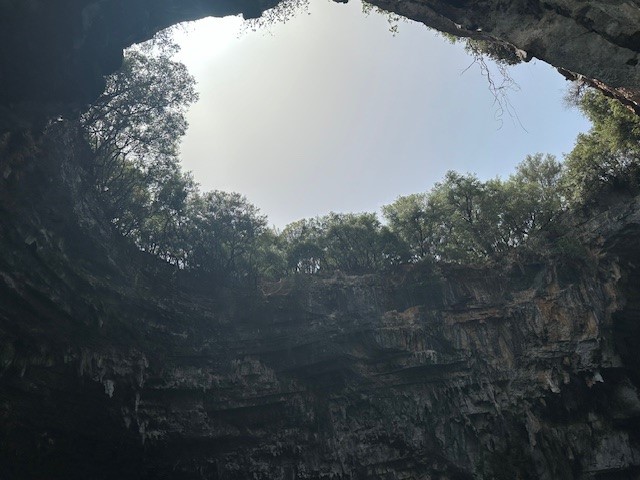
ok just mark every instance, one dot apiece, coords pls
pixel 332 112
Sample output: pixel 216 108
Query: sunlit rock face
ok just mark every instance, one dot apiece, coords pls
pixel 114 365
pixel 55 53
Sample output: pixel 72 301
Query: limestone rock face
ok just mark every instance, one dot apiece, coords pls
pixel 54 53
pixel 112 365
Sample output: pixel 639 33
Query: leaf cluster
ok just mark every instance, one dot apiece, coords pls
pixel 465 220
pixel 348 242
pixel 134 130
pixel 607 157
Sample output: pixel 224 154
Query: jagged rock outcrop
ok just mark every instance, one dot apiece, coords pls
pixel 113 365
pixel 54 53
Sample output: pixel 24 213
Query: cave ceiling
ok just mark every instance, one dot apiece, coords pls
pixel 55 54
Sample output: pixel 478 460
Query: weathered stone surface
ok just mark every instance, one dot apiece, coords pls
pixel 112 365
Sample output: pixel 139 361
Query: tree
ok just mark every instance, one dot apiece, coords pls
pixel 349 242
pixel 465 220
pixel 353 242
pixel 302 244
pixel 411 218
pixel 535 195
pixel 486 220
pixel 223 234
pixel 607 157
pixel 162 226
pixel 141 113
pixel 615 124
pixel 134 129
pixel 270 257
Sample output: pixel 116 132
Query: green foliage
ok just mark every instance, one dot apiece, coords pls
pixel 161 227
pixel 570 249
pixel 617 126
pixel 607 157
pixel 141 114
pixel 270 259
pixel 134 129
pixel 301 242
pixel 534 194
pixel 498 51
pixel 392 18
pixel 353 243
pixel 224 229
pixel 412 218
pixel 458 216
pixel 281 13
pixel 460 220
pixel 464 220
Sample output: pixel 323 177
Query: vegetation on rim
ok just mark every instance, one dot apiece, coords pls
pixel 135 126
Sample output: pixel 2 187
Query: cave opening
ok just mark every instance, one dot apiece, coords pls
pixel 333 110
pixel 386 126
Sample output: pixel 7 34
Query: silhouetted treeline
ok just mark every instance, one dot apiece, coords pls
pixel 134 130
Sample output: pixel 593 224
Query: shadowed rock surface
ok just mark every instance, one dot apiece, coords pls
pixel 54 53
pixel 113 365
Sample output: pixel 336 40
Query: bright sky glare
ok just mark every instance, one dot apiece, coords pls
pixel 331 112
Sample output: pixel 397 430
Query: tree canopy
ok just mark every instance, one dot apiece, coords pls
pixel 134 130
pixel 463 219
pixel 608 156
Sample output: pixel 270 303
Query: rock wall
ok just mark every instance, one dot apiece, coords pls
pixel 113 365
